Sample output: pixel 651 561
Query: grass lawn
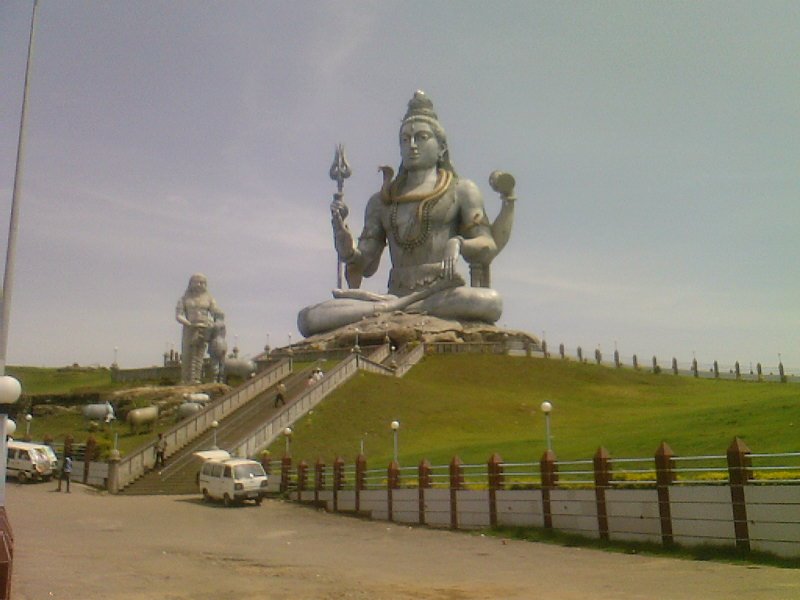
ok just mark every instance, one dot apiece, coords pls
pixel 474 405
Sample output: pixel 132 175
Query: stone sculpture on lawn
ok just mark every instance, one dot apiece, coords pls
pixel 202 321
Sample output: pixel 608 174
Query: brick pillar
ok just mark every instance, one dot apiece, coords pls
pixel 266 461
pixel 424 484
pixel 302 479
pixel 361 469
pixel 393 482
pixel 338 480
pixel 6 554
pixel 319 478
pixel 456 483
pixel 286 467
pixel 665 477
pixel 88 456
pixel 602 481
pixel 495 470
pixel 739 473
pixel 549 470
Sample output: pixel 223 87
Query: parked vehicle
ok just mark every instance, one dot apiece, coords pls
pixel 28 462
pixel 232 480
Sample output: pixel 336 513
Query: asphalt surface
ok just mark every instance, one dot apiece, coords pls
pixel 89 545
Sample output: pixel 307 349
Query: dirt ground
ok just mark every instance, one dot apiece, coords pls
pixel 88 545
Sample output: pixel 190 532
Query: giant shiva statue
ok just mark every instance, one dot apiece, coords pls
pixel 429 217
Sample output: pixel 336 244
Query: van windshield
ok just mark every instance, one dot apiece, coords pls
pixel 248 471
pixel 40 456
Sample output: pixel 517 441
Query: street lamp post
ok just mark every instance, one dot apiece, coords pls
pixel 287 433
pixel 214 425
pixel 28 419
pixel 395 425
pixel 357 348
pixel 10 390
pixel 546 408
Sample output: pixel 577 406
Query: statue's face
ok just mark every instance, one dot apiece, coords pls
pixel 419 146
pixel 197 284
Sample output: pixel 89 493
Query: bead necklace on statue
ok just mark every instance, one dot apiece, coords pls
pixel 426 203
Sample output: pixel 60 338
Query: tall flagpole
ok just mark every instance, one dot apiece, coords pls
pixel 8 274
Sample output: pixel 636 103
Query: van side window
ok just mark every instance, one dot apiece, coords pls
pixel 206 469
pixel 227 471
pixel 216 471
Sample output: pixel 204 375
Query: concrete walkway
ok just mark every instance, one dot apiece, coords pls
pixel 87 545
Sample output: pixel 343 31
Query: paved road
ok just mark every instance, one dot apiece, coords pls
pixel 87 545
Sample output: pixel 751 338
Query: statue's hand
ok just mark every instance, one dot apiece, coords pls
pixel 342 238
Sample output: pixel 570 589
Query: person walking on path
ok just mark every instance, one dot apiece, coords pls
pixel 66 472
pixel 160 449
pixel 280 397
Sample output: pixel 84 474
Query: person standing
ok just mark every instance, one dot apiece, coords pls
pixel 280 397
pixel 160 449
pixel 66 472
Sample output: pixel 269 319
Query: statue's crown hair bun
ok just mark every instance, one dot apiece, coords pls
pixel 420 106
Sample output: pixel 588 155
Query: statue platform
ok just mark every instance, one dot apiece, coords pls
pixel 402 328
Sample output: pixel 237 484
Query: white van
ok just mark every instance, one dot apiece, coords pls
pixel 28 461
pixel 232 480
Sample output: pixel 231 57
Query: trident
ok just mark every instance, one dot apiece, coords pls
pixel 340 170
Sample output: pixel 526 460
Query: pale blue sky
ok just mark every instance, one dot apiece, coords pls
pixel 656 147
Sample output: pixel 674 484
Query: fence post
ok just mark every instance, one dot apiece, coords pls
pixel 68 441
pixel 495 471
pixel 760 372
pixel 549 470
pixel 361 468
pixel 580 354
pixel 319 477
pixel 302 479
pixel 738 370
pixel 424 484
pixel 266 461
pixel 635 362
pixel 739 474
pixel 617 364
pixel 286 466
pixel 393 482
pixel 456 483
pixel 88 456
pixel 665 476
pixel 602 481
pixel 674 366
pixel 561 351
pixel 695 372
pixel 716 370
pixel 656 368
pixel 338 480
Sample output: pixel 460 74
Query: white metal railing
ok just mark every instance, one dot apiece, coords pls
pixel 136 464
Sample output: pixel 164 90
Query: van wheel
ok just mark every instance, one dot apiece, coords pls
pixel 22 477
pixel 206 497
pixel 226 500
pixel 259 500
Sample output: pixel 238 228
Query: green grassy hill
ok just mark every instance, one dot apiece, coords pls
pixel 474 405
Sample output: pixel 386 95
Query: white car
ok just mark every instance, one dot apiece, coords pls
pixel 232 480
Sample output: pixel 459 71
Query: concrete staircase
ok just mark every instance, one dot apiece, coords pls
pixel 179 474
